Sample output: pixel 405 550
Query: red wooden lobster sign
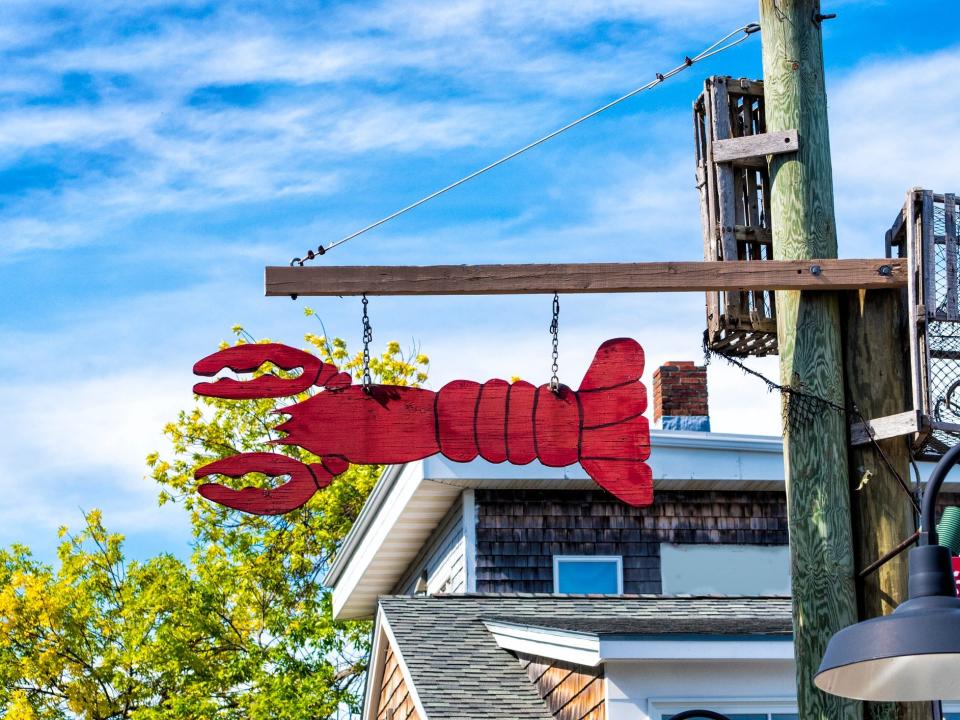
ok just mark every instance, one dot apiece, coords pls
pixel 600 425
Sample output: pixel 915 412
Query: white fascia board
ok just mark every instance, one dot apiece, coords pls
pixel 353 561
pixel 687 648
pixel 382 638
pixel 578 648
pixel 368 513
pixel 675 455
pixel 677 458
pixel 411 688
pixel 591 650
pixel 374 676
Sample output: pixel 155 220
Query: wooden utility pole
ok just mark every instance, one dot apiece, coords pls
pixel 877 375
pixel 811 353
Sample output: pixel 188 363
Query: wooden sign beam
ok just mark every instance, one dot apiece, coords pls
pixel 586 278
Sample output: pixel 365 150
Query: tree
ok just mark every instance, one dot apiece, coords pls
pixel 243 629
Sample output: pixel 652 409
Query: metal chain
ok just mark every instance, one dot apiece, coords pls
pixel 721 45
pixel 367 381
pixel 555 331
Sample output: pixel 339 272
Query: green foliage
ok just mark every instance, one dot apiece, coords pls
pixel 241 630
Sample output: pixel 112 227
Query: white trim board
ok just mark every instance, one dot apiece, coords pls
pixel 404 511
pixel 382 633
pixel 591 650
pixel 470 538
pixel 658 707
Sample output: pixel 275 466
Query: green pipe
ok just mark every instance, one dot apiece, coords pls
pixel 948 529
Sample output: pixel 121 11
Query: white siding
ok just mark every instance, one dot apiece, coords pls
pixel 725 569
pixel 648 690
pixel 443 557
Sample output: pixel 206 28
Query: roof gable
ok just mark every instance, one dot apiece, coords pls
pixel 458 669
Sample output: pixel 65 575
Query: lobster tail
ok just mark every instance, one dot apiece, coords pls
pixel 629 480
pixel 614 436
pixel 617 362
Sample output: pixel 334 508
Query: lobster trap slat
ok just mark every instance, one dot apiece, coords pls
pixel 734 208
pixel 925 234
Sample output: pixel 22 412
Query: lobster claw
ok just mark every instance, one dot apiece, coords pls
pixel 304 481
pixel 247 358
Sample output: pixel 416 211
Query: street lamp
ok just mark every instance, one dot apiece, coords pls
pixel 913 653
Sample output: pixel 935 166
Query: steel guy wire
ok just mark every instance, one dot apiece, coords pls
pixel 721 45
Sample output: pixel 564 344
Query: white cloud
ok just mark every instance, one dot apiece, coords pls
pixel 893 121
pixel 81 445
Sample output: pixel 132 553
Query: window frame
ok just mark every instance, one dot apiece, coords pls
pixel 558 559
pixel 659 708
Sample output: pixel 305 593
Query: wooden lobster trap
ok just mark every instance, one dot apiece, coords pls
pixel 925 233
pixel 733 180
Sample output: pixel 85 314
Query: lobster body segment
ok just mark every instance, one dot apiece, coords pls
pixel 600 425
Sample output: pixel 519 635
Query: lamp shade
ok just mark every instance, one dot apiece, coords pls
pixel 912 653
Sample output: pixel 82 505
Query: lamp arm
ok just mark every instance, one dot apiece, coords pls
pixel 928 513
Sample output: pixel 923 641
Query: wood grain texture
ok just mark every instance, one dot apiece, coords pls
pixel 601 425
pixel 771 143
pixel 882 515
pixel 394 701
pixel 888 426
pixel 342 280
pixel 928 250
pixel 570 691
pixel 726 201
pixel 808 329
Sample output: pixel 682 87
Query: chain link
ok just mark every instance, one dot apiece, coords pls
pixel 367 381
pixel 555 330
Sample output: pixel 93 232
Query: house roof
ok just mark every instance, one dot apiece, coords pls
pixel 409 501
pixel 460 671
pixel 738 624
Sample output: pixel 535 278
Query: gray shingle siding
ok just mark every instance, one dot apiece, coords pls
pixel 519 531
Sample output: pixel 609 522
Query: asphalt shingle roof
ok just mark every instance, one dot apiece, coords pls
pixel 460 672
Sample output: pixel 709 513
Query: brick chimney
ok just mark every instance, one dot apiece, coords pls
pixel 680 396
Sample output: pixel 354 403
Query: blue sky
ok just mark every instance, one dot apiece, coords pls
pixel 154 156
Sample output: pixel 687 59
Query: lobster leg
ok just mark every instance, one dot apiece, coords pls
pixel 304 481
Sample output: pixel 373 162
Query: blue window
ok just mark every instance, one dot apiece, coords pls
pixel 588 574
